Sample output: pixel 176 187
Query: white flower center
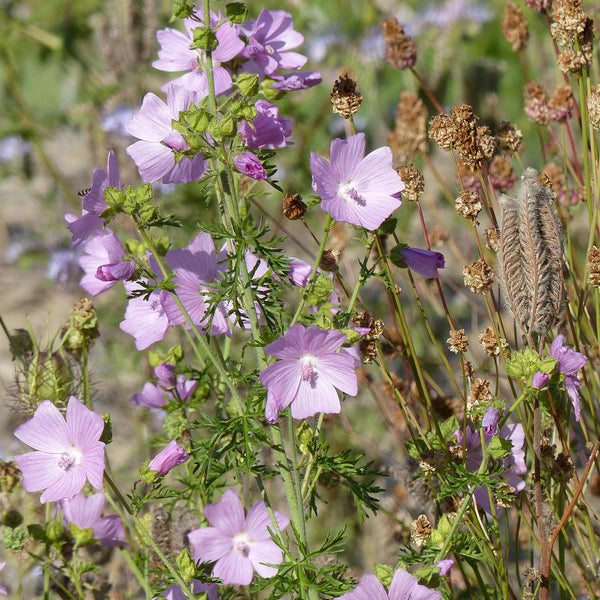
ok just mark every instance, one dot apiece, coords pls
pixel 347 191
pixel 68 459
pixel 269 49
pixel 240 544
pixel 307 369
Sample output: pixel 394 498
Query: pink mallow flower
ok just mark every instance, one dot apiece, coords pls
pixel 357 189
pixel 514 463
pixel 154 154
pixel 145 319
pixel 569 362
pixel 240 544
pixel 267 130
pixel 249 164
pixel 67 452
pixel 310 370
pixel 2 588
pixel 196 267
pixel 271 36
pixel 176 55
pixel 176 593
pixel 168 458
pixel 86 512
pixel 167 387
pixel 103 264
pixel 93 203
pixel 403 587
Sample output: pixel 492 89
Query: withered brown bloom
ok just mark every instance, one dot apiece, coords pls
pixel 414 182
pixel 400 48
pixel 458 341
pixel 409 137
pixel 293 206
pixel 345 99
pixel 514 26
pixel 478 276
pixel 468 205
pixel 593 266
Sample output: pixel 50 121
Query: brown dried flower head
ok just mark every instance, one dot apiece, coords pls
pixel 491 345
pixel 560 106
pixel 569 21
pixel 468 205
pixel 345 99
pixel 514 26
pixel 414 182
pixel 536 103
pixel 409 138
pixel 563 468
pixel 539 5
pixel 491 238
pixel 367 345
pixel 400 48
pixel 420 531
pixel 593 105
pixel 329 261
pixel 501 173
pixel 479 396
pixel 505 495
pixel 458 341
pixel 293 206
pixel 478 276
pixel 593 266
pixel 509 139
pixel 442 131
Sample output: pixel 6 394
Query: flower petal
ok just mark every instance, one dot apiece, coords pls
pixel 315 396
pixel 346 156
pixel 84 425
pixel 262 552
pixel 258 520
pixel 227 515
pixel 368 588
pixel 39 469
pixel 233 568
pixel 46 430
pixel 67 486
pixel 209 544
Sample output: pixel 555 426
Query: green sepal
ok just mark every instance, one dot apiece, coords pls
pixel 384 573
pixel 236 12
pixel 204 39
pixel 185 565
pixel 82 536
pixel 182 9
pixel 388 226
pixel 397 257
pixel 54 531
pixel 248 84
pixel 114 197
pixel 499 447
pixel 106 436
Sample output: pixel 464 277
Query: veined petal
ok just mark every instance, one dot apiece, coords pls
pixel 175 53
pixel 92 463
pixel 233 568
pixel 84 425
pixel 346 156
pixel 282 379
pixel 258 522
pixel 39 469
pixel 323 341
pixel 230 44
pixel 262 552
pixel 291 61
pixel 152 159
pixel 291 345
pixel 227 515
pixel 46 430
pixel 368 588
pixel 339 370
pixel 375 174
pixel 153 122
pixel 71 483
pixel 82 510
pixel 209 544
pixel 404 587
pixel 315 396
pixel 324 178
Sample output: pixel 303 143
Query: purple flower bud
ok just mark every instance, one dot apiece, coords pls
pixel 297 81
pixel 116 271
pixel 250 165
pixel 171 456
pixel 539 380
pixel 423 262
pixel 490 421
pixel 445 566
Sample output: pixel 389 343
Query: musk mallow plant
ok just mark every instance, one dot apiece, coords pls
pixel 469 457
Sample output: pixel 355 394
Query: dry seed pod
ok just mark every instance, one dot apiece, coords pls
pixel 530 256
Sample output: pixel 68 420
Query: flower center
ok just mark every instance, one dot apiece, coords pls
pixel 269 49
pixel 350 194
pixel 240 544
pixel 68 459
pixel 307 369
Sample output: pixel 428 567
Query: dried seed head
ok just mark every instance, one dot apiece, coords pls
pixel 400 48
pixel 293 206
pixel 468 205
pixel 329 261
pixel 536 103
pixel 414 182
pixel 491 238
pixel 486 143
pixel 505 495
pixel 501 173
pixel 458 341
pixel 409 138
pixel 345 99
pixel 479 396
pixel 530 256
pixel 563 468
pixel 560 106
pixel 509 139
pixel 468 177
pixel 593 105
pixel 491 345
pixel 593 266
pixel 367 345
pixel 478 276
pixel 514 26
pixel 420 531
pixel 569 21
pixel 468 369
pixel 442 131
